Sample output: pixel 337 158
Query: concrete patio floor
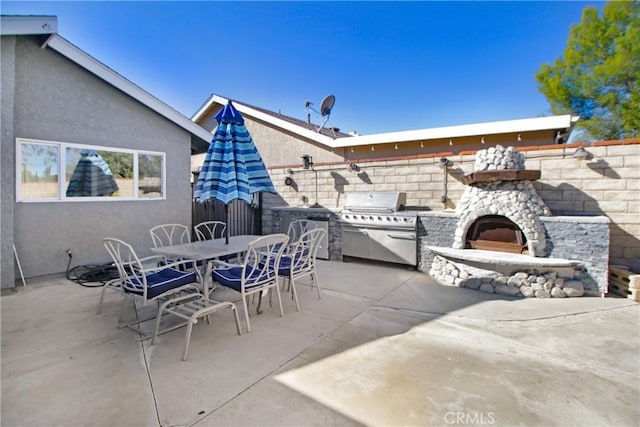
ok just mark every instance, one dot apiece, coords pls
pixel 385 346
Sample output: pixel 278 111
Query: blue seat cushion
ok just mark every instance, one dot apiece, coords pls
pixel 232 277
pixel 162 281
pixel 285 265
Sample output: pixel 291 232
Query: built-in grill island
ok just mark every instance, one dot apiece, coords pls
pixel 502 237
pixel 376 226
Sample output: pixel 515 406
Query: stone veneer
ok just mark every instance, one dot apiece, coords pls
pixel 436 228
pixel 584 239
pixel 546 283
pixel 516 200
pixel 578 246
pixel 335 231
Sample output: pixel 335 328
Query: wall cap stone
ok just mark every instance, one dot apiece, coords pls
pixel 599 219
pixel 445 214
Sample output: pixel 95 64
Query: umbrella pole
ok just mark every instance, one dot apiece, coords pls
pixel 226 219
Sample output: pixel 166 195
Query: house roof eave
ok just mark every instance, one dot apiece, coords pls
pixel 561 122
pixel 20 25
pixel 309 134
pixel 67 49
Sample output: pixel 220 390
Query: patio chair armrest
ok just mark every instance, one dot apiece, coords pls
pixel 181 263
pixel 147 260
pixel 218 263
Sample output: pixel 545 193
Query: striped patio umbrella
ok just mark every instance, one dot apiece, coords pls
pixel 91 177
pixel 233 168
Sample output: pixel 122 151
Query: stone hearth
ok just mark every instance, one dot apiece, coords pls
pixel 508 274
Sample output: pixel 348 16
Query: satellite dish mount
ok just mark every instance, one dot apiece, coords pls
pixel 325 109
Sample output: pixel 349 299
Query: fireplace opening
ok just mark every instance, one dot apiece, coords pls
pixel 496 233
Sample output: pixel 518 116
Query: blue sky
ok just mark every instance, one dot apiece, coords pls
pixel 391 65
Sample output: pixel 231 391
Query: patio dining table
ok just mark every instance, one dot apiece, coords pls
pixel 207 250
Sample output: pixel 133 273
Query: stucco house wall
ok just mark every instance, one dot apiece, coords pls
pixel 52 98
pixel 7 160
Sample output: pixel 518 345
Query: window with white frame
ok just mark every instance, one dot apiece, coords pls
pixel 50 171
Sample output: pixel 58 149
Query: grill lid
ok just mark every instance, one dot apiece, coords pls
pixel 375 201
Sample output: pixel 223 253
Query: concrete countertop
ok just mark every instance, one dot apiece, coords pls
pixel 338 210
pixel 307 209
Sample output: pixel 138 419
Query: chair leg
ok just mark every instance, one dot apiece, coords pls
pixel 294 293
pixel 235 313
pixel 245 303
pixel 314 279
pixel 279 300
pixel 104 288
pixel 187 337
pixel 158 318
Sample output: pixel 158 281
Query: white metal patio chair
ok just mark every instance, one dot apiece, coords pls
pixel 298 227
pixel 169 235
pixel 150 284
pixel 258 273
pixel 301 262
pixel 208 230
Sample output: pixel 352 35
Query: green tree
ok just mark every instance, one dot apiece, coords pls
pixel 121 164
pixel 598 75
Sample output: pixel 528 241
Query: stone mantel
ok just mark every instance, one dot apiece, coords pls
pixel 501 175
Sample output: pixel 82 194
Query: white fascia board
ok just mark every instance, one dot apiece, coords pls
pixel 94 66
pixel 283 124
pixel 28 25
pixel 478 129
pixel 207 104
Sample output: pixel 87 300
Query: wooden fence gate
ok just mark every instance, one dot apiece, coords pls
pixel 244 218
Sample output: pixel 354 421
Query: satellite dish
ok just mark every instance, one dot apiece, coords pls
pixel 325 110
pixel 327 105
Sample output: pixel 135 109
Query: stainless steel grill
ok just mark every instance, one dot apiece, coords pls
pixel 375 226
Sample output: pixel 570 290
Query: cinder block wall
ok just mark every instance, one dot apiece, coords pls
pixel 606 184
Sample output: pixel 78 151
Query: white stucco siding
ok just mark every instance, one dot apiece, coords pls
pixel 7 160
pixel 279 148
pixel 276 146
pixel 57 100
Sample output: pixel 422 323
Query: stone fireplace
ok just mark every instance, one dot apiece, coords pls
pixel 506 240
pixel 499 196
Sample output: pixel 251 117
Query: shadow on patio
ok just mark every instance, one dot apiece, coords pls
pixel 384 346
